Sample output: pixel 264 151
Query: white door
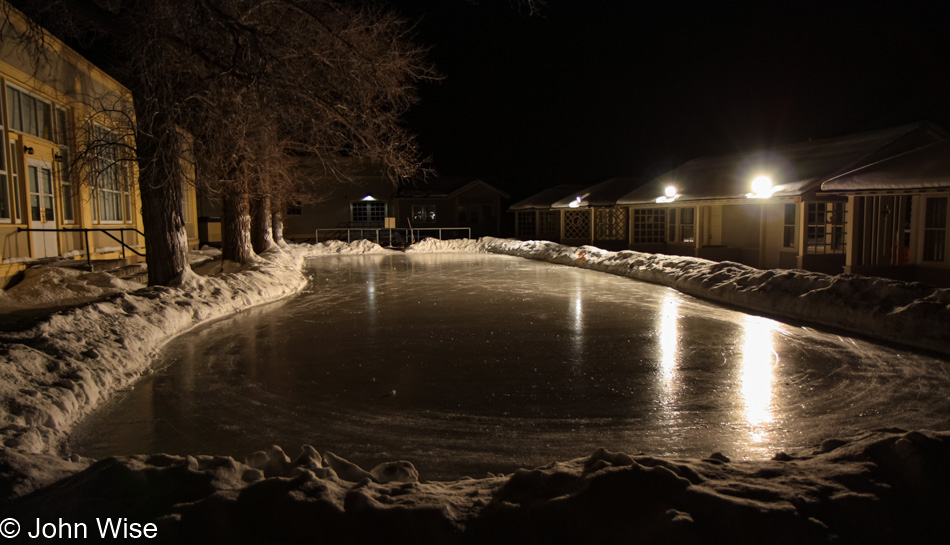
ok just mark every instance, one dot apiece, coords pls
pixel 41 209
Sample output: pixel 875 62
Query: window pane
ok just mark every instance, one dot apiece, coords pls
pixel 13 97
pixel 28 104
pixel 45 117
pixel 61 131
pixel 4 198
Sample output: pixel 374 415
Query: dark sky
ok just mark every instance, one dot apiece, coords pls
pixel 592 89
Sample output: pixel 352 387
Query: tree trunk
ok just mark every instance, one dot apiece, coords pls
pixel 236 225
pixel 262 237
pixel 277 222
pixel 161 184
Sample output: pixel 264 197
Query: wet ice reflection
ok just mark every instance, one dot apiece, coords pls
pixel 759 359
pixel 668 328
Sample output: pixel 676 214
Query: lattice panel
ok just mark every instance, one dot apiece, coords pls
pixel 577 224
pixel 610 223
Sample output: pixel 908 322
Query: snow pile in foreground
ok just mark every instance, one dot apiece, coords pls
pixel 887 487
pixel 47 285
pixel 907 313
pixel 60 369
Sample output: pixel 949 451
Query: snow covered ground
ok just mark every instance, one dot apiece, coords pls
pixel 881 487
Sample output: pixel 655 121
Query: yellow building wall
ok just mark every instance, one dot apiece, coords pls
pixel 64 80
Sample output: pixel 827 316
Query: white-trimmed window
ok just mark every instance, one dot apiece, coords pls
pixel 112 202
pixel 649 225
pixel 366 211
pixel 13 164
pixel 788 227
pixel 935 229
pixel 29 114
pixel 6 195
pixel 682 225
pixel 825 228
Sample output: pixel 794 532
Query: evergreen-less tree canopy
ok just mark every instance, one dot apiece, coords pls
pixel 248 89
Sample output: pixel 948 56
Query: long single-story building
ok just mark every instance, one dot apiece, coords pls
pixel 897 213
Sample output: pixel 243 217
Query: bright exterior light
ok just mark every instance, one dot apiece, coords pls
pixel 368 197
pixel 575 203
pixel 762 185
pixel 669 194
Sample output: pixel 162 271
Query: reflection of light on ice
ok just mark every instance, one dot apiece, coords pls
pixel 669 340
pixel 758 363
pixel 577 323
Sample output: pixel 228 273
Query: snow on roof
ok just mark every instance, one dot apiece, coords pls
pixel 927 167
pixel 794 168
pixel 546 198
pixel 605 193
pixel 444 186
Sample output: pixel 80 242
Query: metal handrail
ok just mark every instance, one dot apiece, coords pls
pixel 389 231
pixel 85 231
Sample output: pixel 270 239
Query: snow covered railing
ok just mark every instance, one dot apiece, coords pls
pixel 907 313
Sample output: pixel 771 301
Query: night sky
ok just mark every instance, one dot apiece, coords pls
pixel 592 89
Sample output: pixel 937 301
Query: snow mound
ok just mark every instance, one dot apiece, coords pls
pixel 347 248
pixel 46 286
pixel 908 313
pixel 458 245
pixel 886 487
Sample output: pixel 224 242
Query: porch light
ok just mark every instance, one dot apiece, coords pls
pixel 575 203
pixel 762 188
pixel 669 194
pixel 368 197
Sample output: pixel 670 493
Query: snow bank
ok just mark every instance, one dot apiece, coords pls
pixel 47 285
pixel 57 371
pixel 886 487
pixel 908 313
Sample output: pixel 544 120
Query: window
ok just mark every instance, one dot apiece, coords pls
pixel 825 228
pixel 935 229
pixel 423 213
pixel 549 225
pixel 112 190
pixel 6 202
pixel 687 225
pixel 526 223
pixel 14 164
pixel 649 226
pixel 788 227
pixel 66 186
pixel 29 114
pixel 365 211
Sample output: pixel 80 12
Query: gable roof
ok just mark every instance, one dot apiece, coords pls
pixel 605 193
pixel 544 199
pixel 927 167
pixel 794 168
pixel 444 187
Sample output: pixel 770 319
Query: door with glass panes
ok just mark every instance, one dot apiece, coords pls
pixel 40 177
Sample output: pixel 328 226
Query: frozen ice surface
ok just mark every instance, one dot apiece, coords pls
pixel 883 487
pixel 499 362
